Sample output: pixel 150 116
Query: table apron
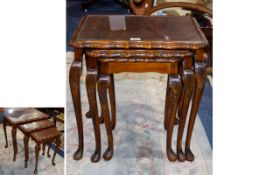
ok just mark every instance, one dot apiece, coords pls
pixel 137 67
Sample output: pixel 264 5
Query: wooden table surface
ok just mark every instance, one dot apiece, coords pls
pixel 143 32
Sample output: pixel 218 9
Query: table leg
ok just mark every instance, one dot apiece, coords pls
pixel 175 88
pixel 200 74
pixel 44 148
pixel 103 85
pixel 167 104
pixel 167 107
pixel 112 100
pixel 37 150
pixel 74 80
pixel 5 132
pixel 26 150
pixel 91 81
pixel 14 138
pixel 188 83
pixel 49 147
pixel 57 145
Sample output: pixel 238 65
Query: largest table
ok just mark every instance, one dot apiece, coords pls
pixel 163 44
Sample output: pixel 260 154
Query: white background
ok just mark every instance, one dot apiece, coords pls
pixel 246 74
pixel 32 53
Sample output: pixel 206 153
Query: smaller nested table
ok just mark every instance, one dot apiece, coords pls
pixel 16 117
pixel 31 127
pixel 45 136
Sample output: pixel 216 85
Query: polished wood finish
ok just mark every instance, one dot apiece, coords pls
pixel 200 74
pixel 184 5
pixel 112 101
pixel 103 85
pixel 146 44
pixel 140 6
pixel 16 117
pixel 142 32
pixel 202 14
pixel 188 83
pixel 175 87
pixel 28 128
pixel 199 12
pixel 45 136
pixel 74 81
pixel 91 82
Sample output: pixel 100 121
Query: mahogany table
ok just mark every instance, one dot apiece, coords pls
pixel 114 44
pixel 16 117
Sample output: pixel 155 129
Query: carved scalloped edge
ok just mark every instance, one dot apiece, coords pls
pixel 146 60
pixel 107 44
pixel 138 53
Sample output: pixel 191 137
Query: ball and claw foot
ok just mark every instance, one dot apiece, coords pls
pixel 53 163
pixel 14 159
pixel 108 154
pixel 6 146
pixel 78 155
pixel 25 165
pixel 95 157
pixel 189 155
pixel 35 171
pixel 181 156
pixel 171 156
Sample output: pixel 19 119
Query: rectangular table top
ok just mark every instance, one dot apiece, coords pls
pixel 17 116
pixel 144 32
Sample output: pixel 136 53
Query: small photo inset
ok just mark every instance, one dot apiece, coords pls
pixel 31 141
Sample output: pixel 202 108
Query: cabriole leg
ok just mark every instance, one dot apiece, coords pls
pixel 188 83
pixel 175 88
pixel 103 85
pixel 200 75
pixel 91 81
pixel 74 80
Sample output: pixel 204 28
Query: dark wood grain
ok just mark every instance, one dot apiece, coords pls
pixel 74 80
pixel 175 88
pixel 200 74
pixel 14 138
pixel 103 85
pixel 45 136
pixel 167 104
pixel 28 128
pixel 26 152
pixel 188 83
pixel 139 7
pixel 57 145
pixel 91 82
pixel 37 150
pixel 162 45
pixel 112 101
pixel 160 32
